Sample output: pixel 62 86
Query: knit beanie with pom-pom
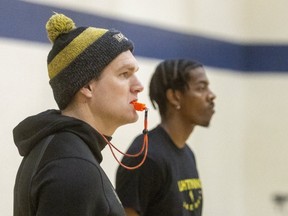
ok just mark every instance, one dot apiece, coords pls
pixel 79 55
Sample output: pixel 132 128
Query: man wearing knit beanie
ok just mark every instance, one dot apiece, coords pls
pixel 92 74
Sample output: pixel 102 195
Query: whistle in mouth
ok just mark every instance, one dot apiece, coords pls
pixel 138 106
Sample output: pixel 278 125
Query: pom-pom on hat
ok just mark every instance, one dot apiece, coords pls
pixel 79 55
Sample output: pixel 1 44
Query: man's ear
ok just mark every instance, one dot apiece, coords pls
pixel 173 97
pixel 86 90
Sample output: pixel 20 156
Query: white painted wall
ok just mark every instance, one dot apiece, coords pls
pixel 241 157
pixel 23 91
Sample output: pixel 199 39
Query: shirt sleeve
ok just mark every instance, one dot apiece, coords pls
pixel 68 186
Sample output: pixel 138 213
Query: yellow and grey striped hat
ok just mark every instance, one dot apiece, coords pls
pixel 79 55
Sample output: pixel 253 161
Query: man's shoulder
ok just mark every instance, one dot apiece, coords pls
pixel 68 145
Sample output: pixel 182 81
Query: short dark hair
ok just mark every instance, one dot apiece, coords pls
pixel 170 74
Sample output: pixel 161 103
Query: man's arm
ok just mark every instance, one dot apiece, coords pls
pixel 64 187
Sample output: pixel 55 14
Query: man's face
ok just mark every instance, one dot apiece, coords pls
pixel 197 102
pixel 115 89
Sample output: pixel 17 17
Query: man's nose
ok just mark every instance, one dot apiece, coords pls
pixel 137 86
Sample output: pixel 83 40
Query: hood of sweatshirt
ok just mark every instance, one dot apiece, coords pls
pixel 33 129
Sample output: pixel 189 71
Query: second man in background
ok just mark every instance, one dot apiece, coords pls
pixel 168 184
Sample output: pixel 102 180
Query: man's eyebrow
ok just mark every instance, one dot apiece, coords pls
pixel 129 67
pixel 199 82
pixel 202 81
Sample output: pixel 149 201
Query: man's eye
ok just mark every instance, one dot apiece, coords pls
pixel 125 74
pixel 201 88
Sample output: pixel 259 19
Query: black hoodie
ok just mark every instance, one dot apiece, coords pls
pixel 68 179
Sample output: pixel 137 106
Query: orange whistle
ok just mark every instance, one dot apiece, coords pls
pixel 138 106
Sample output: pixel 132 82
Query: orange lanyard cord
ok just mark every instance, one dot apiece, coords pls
pixel 143 149
pixel 145 146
